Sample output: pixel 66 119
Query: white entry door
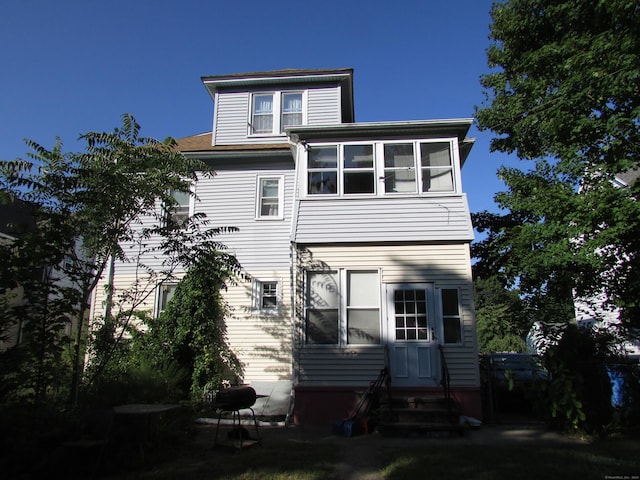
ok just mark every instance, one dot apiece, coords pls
pixel 411 335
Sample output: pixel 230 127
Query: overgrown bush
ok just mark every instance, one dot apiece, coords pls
pixel 578 395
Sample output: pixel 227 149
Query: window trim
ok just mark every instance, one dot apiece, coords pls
pixel 277 129
pixel 258 214
pixel 343 307
pixel 379 169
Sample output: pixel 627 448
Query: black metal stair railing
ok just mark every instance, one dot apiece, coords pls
pixel 445 380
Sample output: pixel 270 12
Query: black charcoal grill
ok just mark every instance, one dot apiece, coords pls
pixel 232 400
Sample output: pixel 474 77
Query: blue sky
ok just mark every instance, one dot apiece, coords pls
pixel 74 66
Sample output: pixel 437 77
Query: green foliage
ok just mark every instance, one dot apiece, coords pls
pixel 83 211
pixel 578 396
pixel 132 374
pixel 564 91
pixel 501 319
pixel 191 330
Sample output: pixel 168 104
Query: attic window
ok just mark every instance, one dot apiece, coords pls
pixel 272 112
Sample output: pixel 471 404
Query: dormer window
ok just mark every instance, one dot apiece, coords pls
pixel 271 112
pixel 262 118
pixel 291 109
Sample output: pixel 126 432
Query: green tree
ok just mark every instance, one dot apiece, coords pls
pixel 501 320
pixel 87 210
pixel 564 93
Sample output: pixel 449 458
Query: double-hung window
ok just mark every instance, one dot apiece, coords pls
pixel 266 295
pixel 164 295
pixel 262 116
pixel 343 308
pixel 272 112
pixel 270 198
pixel 291 110
pixel 451 319
pixel 178 213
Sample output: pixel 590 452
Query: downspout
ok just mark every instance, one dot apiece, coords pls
pixel 293 277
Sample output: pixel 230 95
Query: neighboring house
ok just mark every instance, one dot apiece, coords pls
pixel 355 235
pixel 15 218
pixel 592 312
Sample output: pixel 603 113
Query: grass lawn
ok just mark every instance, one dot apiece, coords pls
pixel 601 460
pixel 283 458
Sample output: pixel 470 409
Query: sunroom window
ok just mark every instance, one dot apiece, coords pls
pixel 399 168
pixel 381 168
pixel 358 169
pixel 323 170
pixel 437 168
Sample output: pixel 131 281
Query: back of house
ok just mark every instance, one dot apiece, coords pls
pixel 354 238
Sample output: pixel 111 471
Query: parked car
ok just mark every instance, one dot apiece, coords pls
pixel 507 379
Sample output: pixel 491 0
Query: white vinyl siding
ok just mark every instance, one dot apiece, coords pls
pixel 323 106
pixel 444 218
pixel 233 115
pixel 446 266
pixel 261 341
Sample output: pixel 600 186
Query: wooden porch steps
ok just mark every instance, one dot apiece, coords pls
pixel 419 416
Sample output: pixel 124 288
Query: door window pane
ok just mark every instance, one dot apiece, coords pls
pixel 411 315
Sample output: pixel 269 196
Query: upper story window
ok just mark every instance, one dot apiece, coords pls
pixel 380 168
pixel 270 198
pixel 271 112
pixel 178 213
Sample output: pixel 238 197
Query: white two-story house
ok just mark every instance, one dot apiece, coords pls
pixel 355 235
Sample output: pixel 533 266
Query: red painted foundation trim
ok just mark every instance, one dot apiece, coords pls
pixel 325 405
